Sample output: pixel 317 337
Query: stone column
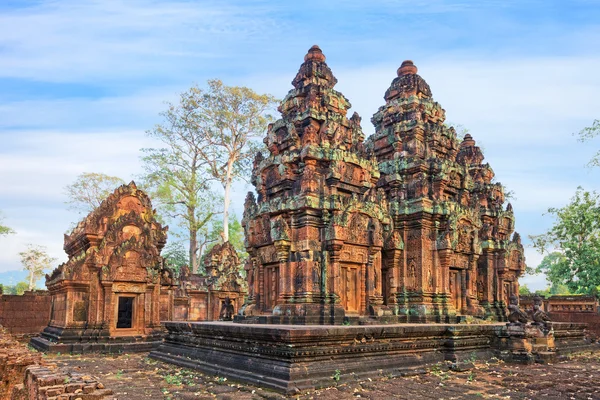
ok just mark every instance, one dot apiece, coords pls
pixel 283 253
pixel 334 247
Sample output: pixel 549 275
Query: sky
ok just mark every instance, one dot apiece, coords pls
pixel 82 81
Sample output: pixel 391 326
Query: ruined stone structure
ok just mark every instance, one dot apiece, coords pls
pixel 114 290
pixel 407 226
pixel 202 297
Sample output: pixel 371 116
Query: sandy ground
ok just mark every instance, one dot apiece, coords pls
pixel 135 376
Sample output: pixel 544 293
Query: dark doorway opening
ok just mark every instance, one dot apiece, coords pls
pixel 125 313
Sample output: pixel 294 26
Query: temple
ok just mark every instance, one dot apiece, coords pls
pixel 459 257
pixel 405 226
pixel 215 295
pixel 114 290
pixel 317 231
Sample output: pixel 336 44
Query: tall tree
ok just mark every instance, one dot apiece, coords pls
pixel 89 190
pixel 229 118
pixel 589 133
pixel 572 245
pixel 35 260
pixel 175 255
pixel 4 230
pixel 176 173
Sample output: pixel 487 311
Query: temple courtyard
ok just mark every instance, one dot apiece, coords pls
pixel 136 376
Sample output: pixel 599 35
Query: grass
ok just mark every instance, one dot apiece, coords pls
pixel 174 380
pixel 337 375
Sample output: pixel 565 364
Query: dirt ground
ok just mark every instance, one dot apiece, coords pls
pixel 135 376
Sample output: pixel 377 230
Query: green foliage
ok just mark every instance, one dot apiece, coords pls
pixel 5 230
pixel 524 290
pixel 175 255
pixel 89 190
pixel 572 245
pixel 229 119
pixel 176 175
pixel 588 134
pixel 35 260
pixel 17 289
pixel 174 380
pixel 554 289
pixel 236 236
pixel 21 287
pixel 337 375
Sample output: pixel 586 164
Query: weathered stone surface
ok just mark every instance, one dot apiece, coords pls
pixel 316 232
pixel 114 290
pixel 27 314
pixel 202 297
pixel 458 257
pixel 292 357
pixel 24 375
pixel 407 226
pixel 289 358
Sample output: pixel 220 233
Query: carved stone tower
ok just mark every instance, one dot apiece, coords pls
pixel 458 257
pixel 316 233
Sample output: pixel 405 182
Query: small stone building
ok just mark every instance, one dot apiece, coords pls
pixel 114 290
pixel 207 297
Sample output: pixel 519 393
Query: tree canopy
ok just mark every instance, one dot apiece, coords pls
pixel 589 133
pixel 89 190
pixel 206 137
pixel 5 230
pixel 35 260
pixel 572 245
pixel 229 118
pixel 176 174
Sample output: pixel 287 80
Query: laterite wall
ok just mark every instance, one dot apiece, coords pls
pixel 27 314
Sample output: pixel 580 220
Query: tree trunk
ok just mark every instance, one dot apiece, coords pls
pixel 31 280
pixel 226 201
pixel 193 240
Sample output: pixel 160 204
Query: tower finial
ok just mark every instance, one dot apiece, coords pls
pixel 315 53
pixel 407 68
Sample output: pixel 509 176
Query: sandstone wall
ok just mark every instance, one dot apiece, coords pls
pixel 26 314
pixel 591 319
pixel 24 375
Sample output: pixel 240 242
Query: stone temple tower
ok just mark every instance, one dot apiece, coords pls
pixel 458 256
pixel 407 226
pixel 317 230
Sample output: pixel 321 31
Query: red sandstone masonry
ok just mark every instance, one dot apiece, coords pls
pixel 26 314
pixel 25 376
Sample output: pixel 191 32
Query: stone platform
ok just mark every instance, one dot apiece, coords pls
pixel 79 341
pixel 289 358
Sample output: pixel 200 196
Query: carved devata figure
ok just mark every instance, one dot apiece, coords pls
pixel 114 279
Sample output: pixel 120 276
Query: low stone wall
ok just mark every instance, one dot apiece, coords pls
pixel 591 319
pixel 24 375
pixel 28 314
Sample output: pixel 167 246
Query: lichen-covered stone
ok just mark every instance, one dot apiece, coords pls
pixel 459 257
pixel 405 226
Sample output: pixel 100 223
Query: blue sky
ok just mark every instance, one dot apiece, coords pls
pixel 81 81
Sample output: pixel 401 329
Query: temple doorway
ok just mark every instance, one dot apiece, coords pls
pixel 455 294
pixel 349 288
pixel 271 282
pixel 125 313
